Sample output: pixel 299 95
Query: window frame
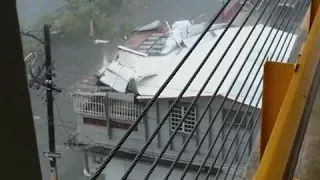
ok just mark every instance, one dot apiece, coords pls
pixel 182 108
pixel 94 121
pixel 238 118
pixel 103 123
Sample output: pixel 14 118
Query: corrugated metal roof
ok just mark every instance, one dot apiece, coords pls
pixel 163 66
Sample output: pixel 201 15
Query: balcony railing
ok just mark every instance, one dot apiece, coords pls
pixel 94 105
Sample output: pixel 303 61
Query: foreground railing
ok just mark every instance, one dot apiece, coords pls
pixel 233 136
pixel 286 113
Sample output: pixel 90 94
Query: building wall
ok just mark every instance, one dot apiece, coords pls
pixel 138 138
pixel 117 168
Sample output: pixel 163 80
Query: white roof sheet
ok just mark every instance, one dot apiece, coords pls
pixel 162 66
pixel 117 75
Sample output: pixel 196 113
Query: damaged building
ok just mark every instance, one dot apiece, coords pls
pixel 108 102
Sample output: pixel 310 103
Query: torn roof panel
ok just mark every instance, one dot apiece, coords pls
pixel 190 41
pixel 151 26
pixel 122 70
pixel 114 81
pixel 117 76
pixel 164 65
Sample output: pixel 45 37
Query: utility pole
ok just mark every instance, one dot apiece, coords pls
pixel 49 91
pixel 46 81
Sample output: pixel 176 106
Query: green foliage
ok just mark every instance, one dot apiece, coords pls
pixel 74 18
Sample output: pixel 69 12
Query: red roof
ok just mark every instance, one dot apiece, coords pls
pixel 139 37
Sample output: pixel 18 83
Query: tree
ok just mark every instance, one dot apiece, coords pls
pixel 79 16
pixel 76 17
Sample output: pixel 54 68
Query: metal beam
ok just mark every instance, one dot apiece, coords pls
pixel 276 80
pixel 276 155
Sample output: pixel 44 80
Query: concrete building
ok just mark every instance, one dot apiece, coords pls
pixel 108 103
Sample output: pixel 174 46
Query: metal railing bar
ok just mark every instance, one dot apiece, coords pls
pixel 177 99
pixel 236 149
pixel 246 146
pixel 241 139
pixel 155 97
pixel 201 118
pixel 230 128
pixel 237 131
pixel 245 130
pixel 207 107
pixel 203 140
pixel 288 45
pixel 284 32
pixel 233 120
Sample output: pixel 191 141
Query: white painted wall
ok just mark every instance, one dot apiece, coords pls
pixel 117 168
pixel 137 139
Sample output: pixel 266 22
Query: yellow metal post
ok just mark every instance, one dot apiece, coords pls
pixel 276 80
pixel 277 152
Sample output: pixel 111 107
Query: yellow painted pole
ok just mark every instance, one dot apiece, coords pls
pixel 276 79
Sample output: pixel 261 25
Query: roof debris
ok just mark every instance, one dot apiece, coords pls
pixel 149 72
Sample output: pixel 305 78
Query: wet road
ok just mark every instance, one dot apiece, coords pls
pixel 74 60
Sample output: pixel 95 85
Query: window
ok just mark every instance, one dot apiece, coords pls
pixel 121 125
pixel 176 116
pixel 238 118
pixel 96 122
pixel 103 123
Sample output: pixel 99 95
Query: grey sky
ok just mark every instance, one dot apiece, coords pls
pixel 31 10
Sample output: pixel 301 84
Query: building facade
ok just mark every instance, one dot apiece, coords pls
pixel 97 126
pixel 109 104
